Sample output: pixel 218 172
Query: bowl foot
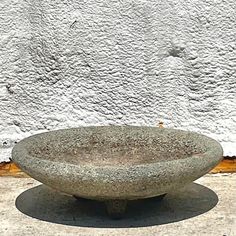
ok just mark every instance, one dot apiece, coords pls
pixel 116 208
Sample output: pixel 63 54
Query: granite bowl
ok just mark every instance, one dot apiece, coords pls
pixel 115 164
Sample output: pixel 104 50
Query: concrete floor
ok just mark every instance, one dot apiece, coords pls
pixel 206 207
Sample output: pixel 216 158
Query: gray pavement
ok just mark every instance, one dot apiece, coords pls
pixel 206 207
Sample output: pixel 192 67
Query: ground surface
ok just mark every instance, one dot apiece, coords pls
pixel 206 207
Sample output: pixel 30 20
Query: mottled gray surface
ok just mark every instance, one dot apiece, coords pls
pixel 96 178
pixel 205 208
pixel 71 63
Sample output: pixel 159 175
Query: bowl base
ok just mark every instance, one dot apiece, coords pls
pixel 116 207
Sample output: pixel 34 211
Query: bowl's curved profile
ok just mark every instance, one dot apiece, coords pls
pixel 117 163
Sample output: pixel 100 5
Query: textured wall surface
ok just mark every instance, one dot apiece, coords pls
pixel 67 63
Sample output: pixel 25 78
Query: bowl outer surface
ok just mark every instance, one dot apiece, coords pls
pixel 118 182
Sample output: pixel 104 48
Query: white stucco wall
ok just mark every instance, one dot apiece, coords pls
pixel 67 63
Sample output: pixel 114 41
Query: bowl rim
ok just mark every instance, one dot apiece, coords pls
pixel 20 153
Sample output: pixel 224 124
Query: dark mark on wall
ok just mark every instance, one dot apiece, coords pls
pixel 9 88
pixel 73 24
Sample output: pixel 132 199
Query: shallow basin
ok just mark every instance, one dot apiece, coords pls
pixel 117 163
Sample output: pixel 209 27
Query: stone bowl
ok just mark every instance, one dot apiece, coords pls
pixel 115 164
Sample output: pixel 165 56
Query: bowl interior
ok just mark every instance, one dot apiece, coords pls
pixel 114 145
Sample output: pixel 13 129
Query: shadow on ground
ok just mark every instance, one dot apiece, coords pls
pixel 49 205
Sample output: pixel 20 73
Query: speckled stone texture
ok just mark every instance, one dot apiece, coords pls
pixel 117 162
pixel 99 62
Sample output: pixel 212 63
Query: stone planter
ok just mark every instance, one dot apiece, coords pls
pixel 117 163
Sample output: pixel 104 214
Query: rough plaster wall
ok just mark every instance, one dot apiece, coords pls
pixel 67 63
